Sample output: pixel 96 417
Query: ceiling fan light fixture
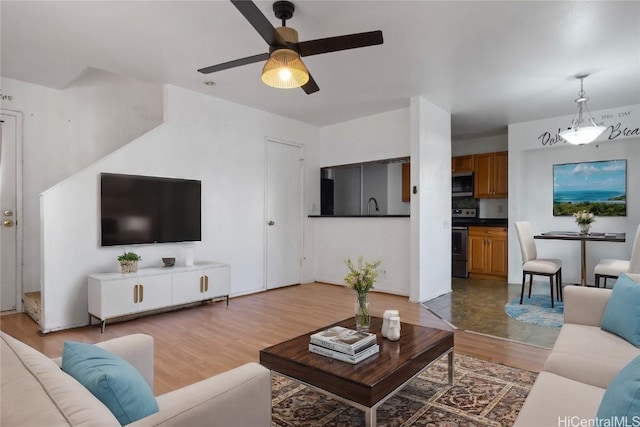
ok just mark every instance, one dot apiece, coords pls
pixel 285 70
pixel 577 134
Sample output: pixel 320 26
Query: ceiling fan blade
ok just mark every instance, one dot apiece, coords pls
pixel 262 25
pixel 334 44
pixel 235 63
pixel 311 86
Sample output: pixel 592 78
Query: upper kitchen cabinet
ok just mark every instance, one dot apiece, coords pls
pixel 491 180
pixel 462 164
pixel 406 182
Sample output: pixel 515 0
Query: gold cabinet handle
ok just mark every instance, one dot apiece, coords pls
pixel 206 283
pixel 141 293
pixel 135 294
pixel 201 284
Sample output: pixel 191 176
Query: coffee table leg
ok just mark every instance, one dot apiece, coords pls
pixel 370 417
pixel 450 360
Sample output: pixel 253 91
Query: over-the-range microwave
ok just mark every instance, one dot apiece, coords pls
pixel 462 184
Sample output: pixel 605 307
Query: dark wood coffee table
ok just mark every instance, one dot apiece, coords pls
pixel 370 383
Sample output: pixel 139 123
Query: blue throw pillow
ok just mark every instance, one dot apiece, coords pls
pixel 622 398
pixel 622 317
pixel 117 384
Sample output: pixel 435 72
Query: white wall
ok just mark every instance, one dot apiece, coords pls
pixel 490 144
pixel 382 136
pixel 375 239
pixel 531 188
pixel 378 137
pixel 430 250
pixel 202 138
pixel 67 130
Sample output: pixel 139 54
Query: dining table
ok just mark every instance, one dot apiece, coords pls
pixel 583 238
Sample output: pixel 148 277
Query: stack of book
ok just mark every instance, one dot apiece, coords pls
pixel 344 344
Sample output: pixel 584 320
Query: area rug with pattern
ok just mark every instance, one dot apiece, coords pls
pixel 483 394
pixel 536 311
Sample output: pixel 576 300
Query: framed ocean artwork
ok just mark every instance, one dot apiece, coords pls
pixel 599 187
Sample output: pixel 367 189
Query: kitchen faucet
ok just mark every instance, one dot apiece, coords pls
pixel 369 205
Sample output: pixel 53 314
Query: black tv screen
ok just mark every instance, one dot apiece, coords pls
pixel 144 209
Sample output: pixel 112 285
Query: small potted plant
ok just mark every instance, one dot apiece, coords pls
pixel 129 262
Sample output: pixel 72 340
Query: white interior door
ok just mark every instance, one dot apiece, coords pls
pixel 283 214
pixel 10 287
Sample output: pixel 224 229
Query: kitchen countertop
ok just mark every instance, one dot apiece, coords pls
pixel 359 216
pixel 456 222
pixel 481 222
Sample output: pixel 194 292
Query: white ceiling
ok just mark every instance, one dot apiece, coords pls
pixel 488 63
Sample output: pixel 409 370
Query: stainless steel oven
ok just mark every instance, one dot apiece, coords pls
pixel 459 251
pixel 459 238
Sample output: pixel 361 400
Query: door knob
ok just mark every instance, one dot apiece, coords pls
pixel 7 223
pixel 271 223
pixel 8 212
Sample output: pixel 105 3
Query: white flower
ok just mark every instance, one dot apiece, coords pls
pixel 361 277
pixel 584 217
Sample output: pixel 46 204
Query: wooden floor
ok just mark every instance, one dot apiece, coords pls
pixel 196 343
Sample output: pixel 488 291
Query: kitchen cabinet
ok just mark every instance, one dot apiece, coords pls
pixel 112 295
pixel 488 252
pixel 462 164
pixel 406 182
pixel 491 175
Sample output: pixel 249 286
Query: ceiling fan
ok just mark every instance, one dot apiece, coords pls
pixel 284 68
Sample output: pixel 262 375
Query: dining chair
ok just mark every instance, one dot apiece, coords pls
pixel 611 268
pixel 534 266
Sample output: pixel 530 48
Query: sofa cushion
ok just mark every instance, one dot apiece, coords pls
pixel 111 379
pixel 556 401
pixel 35 392
pixel 575 354
pixel 621 316
pixel 622 398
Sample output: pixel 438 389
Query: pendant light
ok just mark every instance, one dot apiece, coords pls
pixel 577 134
pixel 284 69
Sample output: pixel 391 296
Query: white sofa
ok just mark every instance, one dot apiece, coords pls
pixel 581 365
pixel 36 392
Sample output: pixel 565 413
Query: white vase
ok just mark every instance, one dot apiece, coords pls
pixel 187 257
pixel 393 333
pixel 385 321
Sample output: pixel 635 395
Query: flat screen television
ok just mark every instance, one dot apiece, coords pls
pixel 138 209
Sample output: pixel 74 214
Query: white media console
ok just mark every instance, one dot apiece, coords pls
pixel 114 295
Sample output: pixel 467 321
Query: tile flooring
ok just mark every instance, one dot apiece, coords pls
pixel 478 306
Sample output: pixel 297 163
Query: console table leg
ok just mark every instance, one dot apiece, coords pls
pixel 104 322
pixel 450 360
